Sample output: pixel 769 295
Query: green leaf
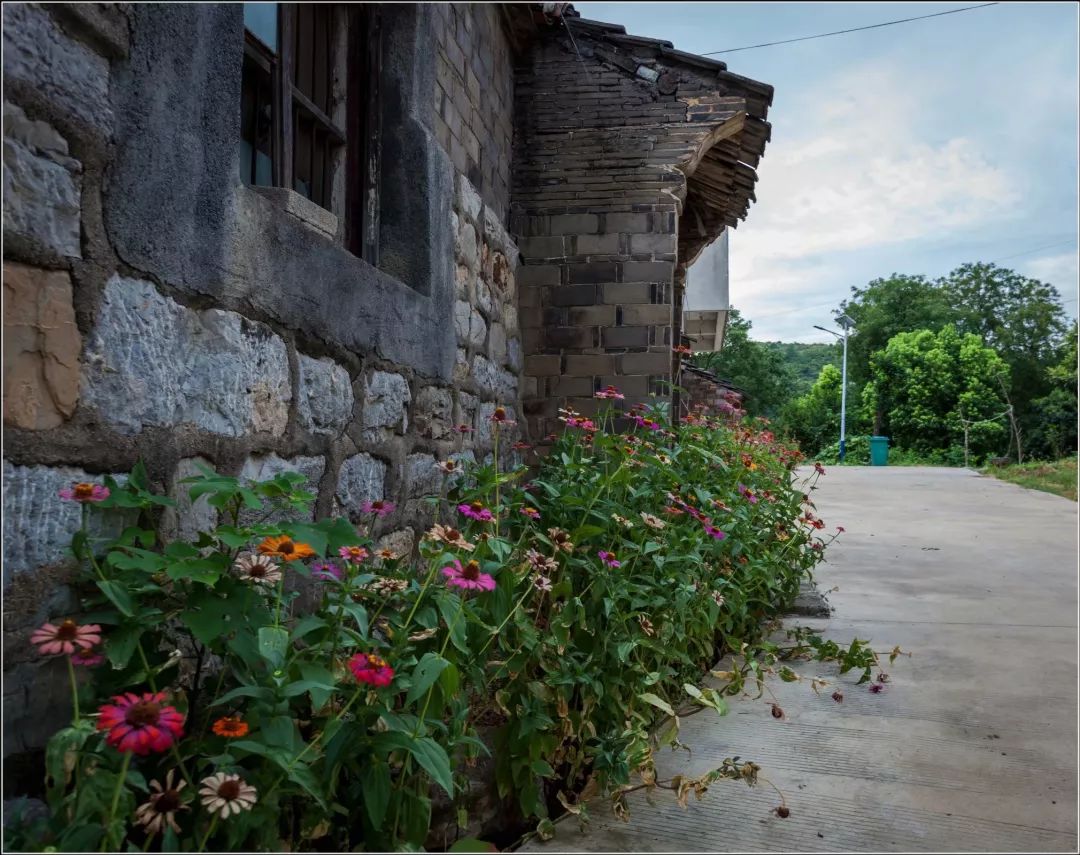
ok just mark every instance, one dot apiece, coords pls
pixel 425 674
pixel 120 644
pixel 273 644
pixel 427 752
pixel 375 785
pixel 320 674
pixel 258 692
pixel 542 768
pixel 300 686
pixel 359 614
pixel 473 844
pixel 211 619
pixel 118 596
pixel 451 609
pixel 693 691
pixel 657 702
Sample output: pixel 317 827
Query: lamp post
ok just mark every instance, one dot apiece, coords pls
pixel 846 324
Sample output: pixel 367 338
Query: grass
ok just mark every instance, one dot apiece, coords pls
pixel 1058 477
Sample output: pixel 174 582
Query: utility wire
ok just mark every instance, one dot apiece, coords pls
pixel 852 30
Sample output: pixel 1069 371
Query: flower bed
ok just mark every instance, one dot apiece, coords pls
pixel 563 613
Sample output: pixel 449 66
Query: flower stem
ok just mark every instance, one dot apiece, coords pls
pixel 116 799
pixel 74 690
pixel 209 833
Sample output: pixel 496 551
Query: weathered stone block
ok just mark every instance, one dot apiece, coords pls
pixel 41 347
pixel 563 387
pixel 433 412
pixel 485 376
pixel 634 293
pixel 594 272
pixel 324 396
pixel 386 400
pixel 151 361
pixel 598 245
pixel 302 209
pixel 469 201
pixel 485 301
pixel 539 274
pixel 461 365
pixel 648 271
pixel 645 363
pixel 468 249
pixel 572 295
pixel 469 324
pixel 646 315
pixel 497 344
pixel 543 365
pixel 626 223
pixel 422 476
pixel 42 185
pixel 66 72
pixel 39 525
pixel 362 479
pixel 187 518
pixel 465 410
pixel 570 337
pixel 590 316
pixel 574 224
pixel 513 355
pixel 542 247
pixel 626 337
pixel 589 364
pixel 401 542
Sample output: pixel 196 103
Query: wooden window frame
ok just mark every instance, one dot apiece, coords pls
pixel 361 139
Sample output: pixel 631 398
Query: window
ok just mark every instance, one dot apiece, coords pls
pixel 308 117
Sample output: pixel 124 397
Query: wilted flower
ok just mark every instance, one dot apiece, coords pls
pixel 469 577
pixel 531 513
pixel 385 586
pixel 379 508
pixel 541 563
pixel 140 723
pixel 83 492
pixel 87 657
pixel 54 640
pixel 371 669
pixel 259 569
pixel 838 697
pixel 226 795
pixel 476 511
pixel 230 726
pixel 160 809
pixel 646 625
pixel 877 688
pixel 653 522
pixel 450 536
pixel 608 558
pixel 561 539
pixel 623 521
pixel 718 598
pixel 285 548
pixel 819 469
pixel 542 583
pixel 840 529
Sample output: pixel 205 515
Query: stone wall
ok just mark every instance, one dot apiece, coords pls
pixel 158 309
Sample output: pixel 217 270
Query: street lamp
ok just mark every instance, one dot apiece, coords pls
pixel 847 324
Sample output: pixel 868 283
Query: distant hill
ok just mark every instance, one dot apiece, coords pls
pixel 805 361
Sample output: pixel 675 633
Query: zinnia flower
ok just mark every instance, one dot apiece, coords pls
pixel 819 469
pixel 385 586
pixel 379 508
pixel 646 625
pixel 652 522
pixel 285 548
pixel 714 532
pixel 140 723
pixel 521 446
pixel 876 688
pixel 226 794
pixel 65 638
pixel 388 555
pixel 542 583
pixel 87 657
pixel 353 554
pixel 718 598
pixel 160 809
pixel 623 521
pixel 561 539
pixel 468 577
pixel 450 536
pixel 260 569
pixel 83 492
pixel 541 562
pixel 476 511
pixel 231 727
pixel 325 570
pixel 608 558
pixel 500 417
pixel 610 392
pixel 369 668
pixel 463 429
pixel 447 466
pixel 531 513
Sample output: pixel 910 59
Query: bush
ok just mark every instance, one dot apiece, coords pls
pixel 565 615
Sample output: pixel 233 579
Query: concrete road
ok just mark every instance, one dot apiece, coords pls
pixel 972 746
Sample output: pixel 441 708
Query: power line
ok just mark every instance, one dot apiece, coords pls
pixel 1037 249
pixel 852 30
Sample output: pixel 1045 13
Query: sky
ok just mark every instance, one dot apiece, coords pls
pixel 911 149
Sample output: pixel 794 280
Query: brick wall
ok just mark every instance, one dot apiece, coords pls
pixel 608 129
pixel 473 99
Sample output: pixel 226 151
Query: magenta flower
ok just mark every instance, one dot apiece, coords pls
pixel 88 657
pixel 353 554
pixel 608 558
pixel 379 508
pixel 468 577
pixel 140 723
pixel 747 494
pixel 531 513
pixel 610 392
pixel 325 570
pixel 83 492
pixel 714 532
pixel 371 669
pixel 476 511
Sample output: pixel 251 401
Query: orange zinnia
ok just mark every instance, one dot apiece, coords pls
pixel 285 548
pixel 231 726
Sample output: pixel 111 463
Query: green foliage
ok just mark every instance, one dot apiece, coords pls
pixel 749 365
pixel 1054 432
pixel 924 385
pixel 566 634
pixel 813 419
pixel 1058 476
pixel 803 362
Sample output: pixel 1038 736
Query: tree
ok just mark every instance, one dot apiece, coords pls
pixel 927 384
pixel 885 307
pixel 1054 415
pixel 751 366
pixel 1020 318
pixel 813 419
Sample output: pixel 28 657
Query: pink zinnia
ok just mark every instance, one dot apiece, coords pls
pixel 840 529
pixel 608 558
pixel 371 669
pixel 54 640
pixel 88 657
pixel 141 723
pixel 531 513
pixel 379 508
pixel 84 492
pixel 355 554
pixel 476 511
pixel 468 577
pixel 325 570
pixel 713 531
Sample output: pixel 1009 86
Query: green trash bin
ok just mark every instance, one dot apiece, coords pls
pixel 879 451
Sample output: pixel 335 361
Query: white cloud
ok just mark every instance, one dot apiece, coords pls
pixel 1061 271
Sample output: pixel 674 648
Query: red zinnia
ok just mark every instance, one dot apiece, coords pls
pixel 369 668
pixel 141 723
